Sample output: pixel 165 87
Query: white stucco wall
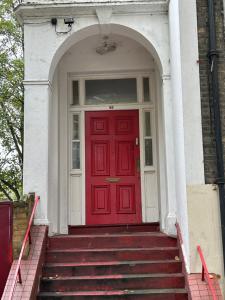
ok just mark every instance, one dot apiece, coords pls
pixel 191 93
pixel 41 61
pixel 36 156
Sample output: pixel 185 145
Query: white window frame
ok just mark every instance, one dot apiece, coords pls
pixel 139 79
pixel 153 137
pixel 72 170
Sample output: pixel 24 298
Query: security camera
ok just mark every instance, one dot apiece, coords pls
pixel 69 21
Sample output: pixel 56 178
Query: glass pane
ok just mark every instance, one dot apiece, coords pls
pixel 75 93
pixel 110 91
pixel 75 127
pixel 148 152
pixel 76 155
pixel 148 124
pixel 146 89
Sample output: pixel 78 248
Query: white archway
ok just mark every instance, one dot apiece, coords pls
pixel 60 212
pixel 89 31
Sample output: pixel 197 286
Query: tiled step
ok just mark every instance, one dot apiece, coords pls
pixel 126 240
pixel 112 267
pixel 147 227
pixel 104 255
pixel 159 294
pixel 112 282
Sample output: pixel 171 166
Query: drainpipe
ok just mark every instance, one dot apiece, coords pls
pixel 213 60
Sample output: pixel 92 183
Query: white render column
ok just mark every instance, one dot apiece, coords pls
pixel 191 93
pixel 36 132
pixel 178 123
pixel 168 115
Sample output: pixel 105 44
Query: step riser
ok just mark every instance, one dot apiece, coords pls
pixel 108 242
pixel 111 284
pixel 60 257
pixel 130 297
pixel 109 270
pixel 113 229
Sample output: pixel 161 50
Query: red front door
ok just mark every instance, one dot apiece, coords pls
pixel 113 193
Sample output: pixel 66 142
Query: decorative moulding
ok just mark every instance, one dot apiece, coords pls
pixel 42 9
pixel 37 82
pixel 104 14
pixel 166 77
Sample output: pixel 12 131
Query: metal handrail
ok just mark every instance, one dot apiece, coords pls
pixel 205 273
pixel 27 236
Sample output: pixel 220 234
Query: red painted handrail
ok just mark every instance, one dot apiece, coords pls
pixel 205 273
pixel 27 236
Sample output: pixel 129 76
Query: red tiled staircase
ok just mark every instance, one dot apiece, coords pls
pixel 113 262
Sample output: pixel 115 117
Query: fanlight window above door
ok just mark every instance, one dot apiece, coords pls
pixel 110 91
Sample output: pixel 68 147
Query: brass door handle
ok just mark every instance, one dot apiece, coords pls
pixel 112 179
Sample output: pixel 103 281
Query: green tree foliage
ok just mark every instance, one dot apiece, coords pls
pixel 11 102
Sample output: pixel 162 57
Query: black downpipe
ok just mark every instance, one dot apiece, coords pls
pixel 213 60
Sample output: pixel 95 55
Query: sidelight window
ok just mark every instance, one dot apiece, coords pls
pixel 148 139
pixel 76 142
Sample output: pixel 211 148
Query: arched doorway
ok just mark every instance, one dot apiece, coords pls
pixel 130 77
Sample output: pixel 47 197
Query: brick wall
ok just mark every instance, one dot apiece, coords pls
pixel 207 116
pixel 21 214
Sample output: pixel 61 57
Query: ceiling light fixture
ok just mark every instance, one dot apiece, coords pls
pixel 106 47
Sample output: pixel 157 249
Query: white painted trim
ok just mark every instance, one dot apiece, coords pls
pixel 142 163
pixel 43 10
pixel 63 156
pixel 37 82
pixel 111 74
pixel 83 203
pixel 108 107
pixel 161 149
pixel 137 74
pixel 139 89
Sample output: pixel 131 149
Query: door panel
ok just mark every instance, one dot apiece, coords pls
pixel 125 158
pixel 112 178
pixel 99 126
pixel 100 160
pixel 101 200
pixel 124 125
pixel 125 199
